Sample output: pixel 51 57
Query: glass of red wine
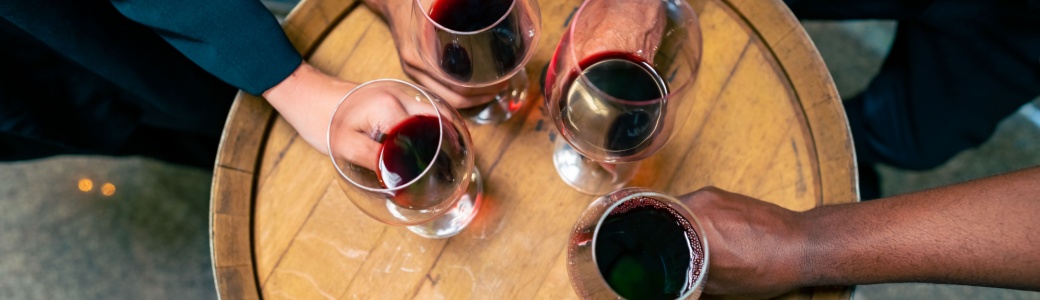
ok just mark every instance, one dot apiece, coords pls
pixel 617 85
pixel 479 43
pixel 636 243
pixel 404 157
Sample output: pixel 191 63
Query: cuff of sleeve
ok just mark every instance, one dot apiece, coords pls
pixel 277 70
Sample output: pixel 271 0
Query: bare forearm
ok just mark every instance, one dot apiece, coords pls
pixel 306 100
pixel 984 232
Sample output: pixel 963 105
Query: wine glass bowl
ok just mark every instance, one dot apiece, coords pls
pixel 479 43
pixel 423 175
pixel 614 129
pixel 618 85
pixel 637 243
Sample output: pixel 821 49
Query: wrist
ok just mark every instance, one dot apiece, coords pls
pixel 287 87
pixel 817 248
pixel 806 250
pixel 306 99
pixel 305 86
pixel 797 252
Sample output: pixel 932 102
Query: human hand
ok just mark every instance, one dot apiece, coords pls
pixel 398 15
pixel 634 27
pixel 605 29
pixel 756 248
pixel 308 98
pixel 365 116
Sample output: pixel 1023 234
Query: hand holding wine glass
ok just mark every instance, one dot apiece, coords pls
pixel 620 27
pixel 306 98
pixel 367 118
pixel 398 15
pixel 478 44
pixel 617 86
pixel 750 239
pixel 404 157
pixel 981 232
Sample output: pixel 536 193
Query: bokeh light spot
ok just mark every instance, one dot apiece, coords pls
pixel 108 189
pixel 86 185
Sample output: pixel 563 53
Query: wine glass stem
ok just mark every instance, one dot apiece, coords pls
pixel 506 104
pixel 589 176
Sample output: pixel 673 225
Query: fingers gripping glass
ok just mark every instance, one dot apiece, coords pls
pixel 617 85
pixel 479 43
pixel 404 157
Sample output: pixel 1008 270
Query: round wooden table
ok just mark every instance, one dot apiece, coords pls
pixel 768 123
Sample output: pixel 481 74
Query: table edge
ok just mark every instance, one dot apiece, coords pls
pixel 239 156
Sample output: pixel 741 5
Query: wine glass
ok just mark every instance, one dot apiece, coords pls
pixel 617 85
pixel 635 243
pixel 404 157
pixel 479 43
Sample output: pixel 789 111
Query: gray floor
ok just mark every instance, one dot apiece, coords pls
pixel 148 240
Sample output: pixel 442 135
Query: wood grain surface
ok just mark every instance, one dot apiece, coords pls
pixel 767 122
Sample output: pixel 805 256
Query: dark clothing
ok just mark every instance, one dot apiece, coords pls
pixel 93 76
pixel 955 70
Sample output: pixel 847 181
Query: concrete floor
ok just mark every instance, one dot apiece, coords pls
pixel 145 236
pixel 146 239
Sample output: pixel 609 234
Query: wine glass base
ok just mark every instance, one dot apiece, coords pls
pixel 507 103
pixel 459 216
pixel 589 176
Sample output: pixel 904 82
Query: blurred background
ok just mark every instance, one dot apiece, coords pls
pixel 89 227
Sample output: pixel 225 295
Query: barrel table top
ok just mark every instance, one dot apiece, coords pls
pixel 768 122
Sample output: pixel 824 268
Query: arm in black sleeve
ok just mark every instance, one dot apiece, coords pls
pixel 239 41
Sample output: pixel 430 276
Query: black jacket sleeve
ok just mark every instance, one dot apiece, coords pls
pixel 239 41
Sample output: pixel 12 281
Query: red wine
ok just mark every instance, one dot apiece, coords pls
pixel 621 91
pixel 408 150
pixel 455 61
pixel 468 15
pixel 646 250
pixel 624 76
pixel 500 47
